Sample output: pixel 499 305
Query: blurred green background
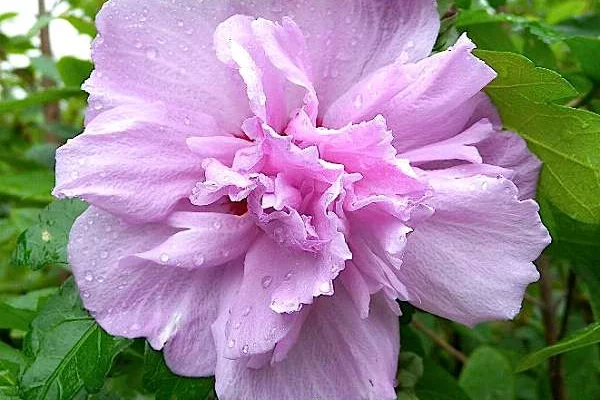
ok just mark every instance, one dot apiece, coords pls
pixel 43 62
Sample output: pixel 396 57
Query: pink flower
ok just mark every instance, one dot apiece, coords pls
pixel 267 178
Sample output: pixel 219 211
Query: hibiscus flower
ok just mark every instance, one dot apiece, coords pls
pixel 268 178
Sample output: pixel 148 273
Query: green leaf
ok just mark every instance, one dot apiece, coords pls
pixel 579 243
pixel 158 378
pixel 45 243
pixel 15 318
pixel 70 352
pixel 411 370
pixel 8 15
pixel 587 51
pixel 74 71
pixel 488 376
pixel 39 98
pixel 9 372
pixel 437 384
pixel 584 337
pixel 565 139
pixel 46 67
pixel 588 25
pixel 83 26
pixel 32 186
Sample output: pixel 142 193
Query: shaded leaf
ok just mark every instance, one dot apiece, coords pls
pixel 70 352
pixel 437 384
pixel 46 242
pixel 15 318
pixel 73 71
pixel 587 51
pixel 488 376
pixel 159 379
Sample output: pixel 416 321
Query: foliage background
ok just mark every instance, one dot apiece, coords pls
pixel 50 348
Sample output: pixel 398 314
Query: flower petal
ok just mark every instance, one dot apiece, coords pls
pixel 209 240
pixel 138 298
pixel 337 356
pixel 472 260
pixel 161 51
pixel 508 150
pixel 128 163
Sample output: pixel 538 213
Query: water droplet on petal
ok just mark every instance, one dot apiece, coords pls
pixel 217 225
pixel 231 344
pixel 151 53
pixel 180 22
pixel 186 120
pixel 138 44
pixel 100 279
pixel 199 260
pixel 325 287
pixel 103 254
pixel 88 276
pixel 358 101
pixel 237 325
pixel 288 276
pixel 245 349
pixel 190 31
pixel 266 281
pixel 85 294
pixel 484 185
pixel 246 311
pixel 164 258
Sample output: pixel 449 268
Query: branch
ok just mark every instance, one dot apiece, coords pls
pixel 51 110
pixel 551 332
pixel 439 341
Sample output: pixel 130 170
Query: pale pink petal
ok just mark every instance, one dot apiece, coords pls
pixel 130 162
pixel 472 260
pixel 208 240
pixel 459 147
pixel 337 355
pixel 439 103
pixel 220 148
pixel 142 299
pixel 508 150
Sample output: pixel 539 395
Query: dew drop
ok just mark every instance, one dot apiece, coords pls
pixel 100 279
pixel 164 258
pixel 88 276
pixel 190 31
pixel 138 44
pixel 358 101
pixel 325 287
pixel 237 325
pixel 246 311
pixel 245 349
pixel 121 287
pixel 266 281
pixel 186 120
pixel 151 53
pixel 161 40
pixel 103 254
pixel 231 344
pixel 179 22
pixel 85 294
pixel 288 276
pixel 199 260
pixel 484 185
pixel 217 225
pixel 46 235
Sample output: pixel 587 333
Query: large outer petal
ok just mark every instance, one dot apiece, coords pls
pixel 162 50
pixel 337 356
pixel 138 298
pixel 131 161
pixel 472 260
